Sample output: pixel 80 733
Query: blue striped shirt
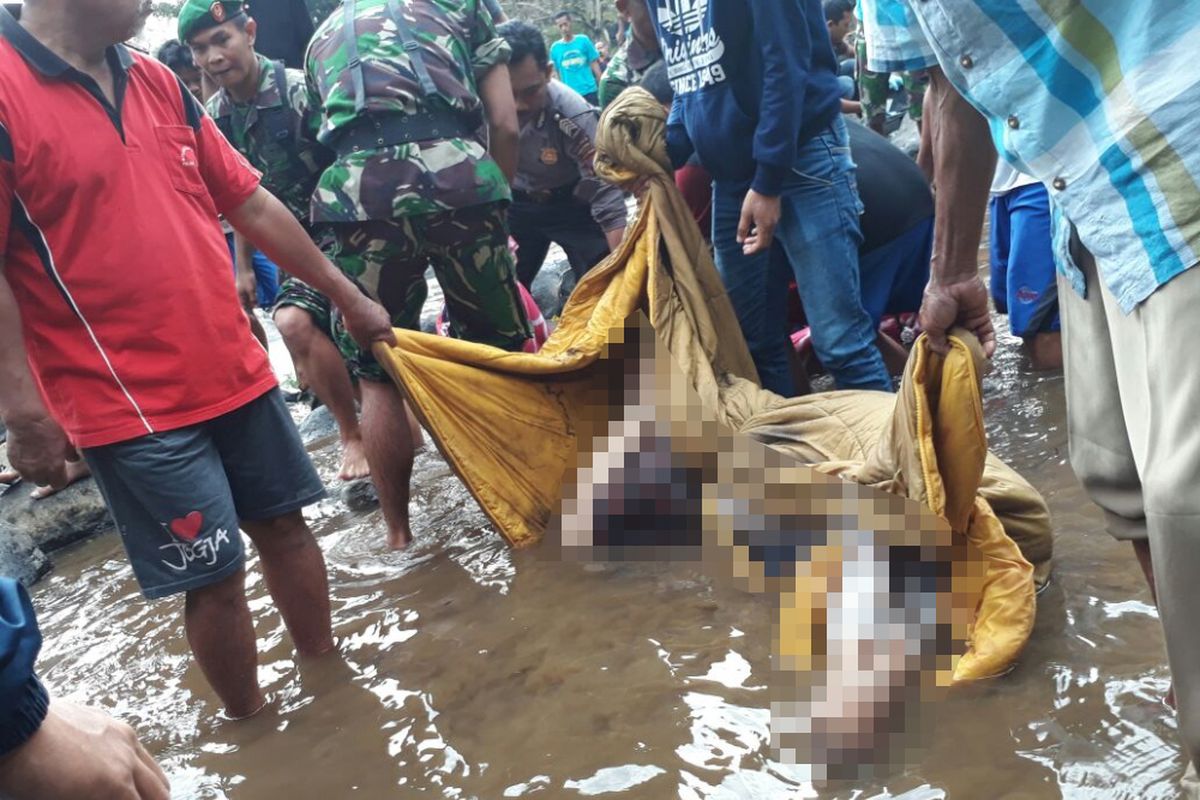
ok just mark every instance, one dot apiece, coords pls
pixel 895 42
pixel 1100 100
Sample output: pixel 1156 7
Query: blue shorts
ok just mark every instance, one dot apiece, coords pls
pixel 178 496
pixel 266 276
pixel 1023 274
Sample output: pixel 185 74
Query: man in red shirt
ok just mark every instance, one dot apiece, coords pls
pixel 111 180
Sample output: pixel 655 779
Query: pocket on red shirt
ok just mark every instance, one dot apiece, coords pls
pixel 177 146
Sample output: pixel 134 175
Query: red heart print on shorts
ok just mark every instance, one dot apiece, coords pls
pixel 188 527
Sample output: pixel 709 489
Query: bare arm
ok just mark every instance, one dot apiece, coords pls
pixel 495 90
pixel 37 446
pixel 597 72
pixel 964 160
pixel 270 227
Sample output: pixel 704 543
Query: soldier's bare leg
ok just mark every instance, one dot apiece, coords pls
pixel 319 365
pixel 388 437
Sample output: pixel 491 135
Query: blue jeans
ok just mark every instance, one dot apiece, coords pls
pixel 819 236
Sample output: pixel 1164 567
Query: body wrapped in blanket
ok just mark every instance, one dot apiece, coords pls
pixel 639 430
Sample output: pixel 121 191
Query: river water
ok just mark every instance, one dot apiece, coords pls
pixel 472 671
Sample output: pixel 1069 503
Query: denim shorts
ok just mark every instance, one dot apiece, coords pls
pixel 178 496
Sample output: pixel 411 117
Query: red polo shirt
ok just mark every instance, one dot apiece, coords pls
pixel 111 244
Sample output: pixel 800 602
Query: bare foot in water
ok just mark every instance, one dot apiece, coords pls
pixel 354 461
pixel 399 539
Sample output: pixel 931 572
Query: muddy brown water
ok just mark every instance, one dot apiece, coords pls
pixel 471 671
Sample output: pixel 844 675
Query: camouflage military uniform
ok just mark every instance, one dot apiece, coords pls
pixel 873 87
pixel 396 207
pixel 322 8
pixel 626 68
pixel 275 134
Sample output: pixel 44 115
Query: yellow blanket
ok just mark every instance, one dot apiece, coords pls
pixel 514 426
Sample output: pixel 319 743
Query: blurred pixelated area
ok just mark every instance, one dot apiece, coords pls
pixel 873 606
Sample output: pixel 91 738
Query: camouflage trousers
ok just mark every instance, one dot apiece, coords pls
pixel 468 250
pixel 873 88
pixel 295 292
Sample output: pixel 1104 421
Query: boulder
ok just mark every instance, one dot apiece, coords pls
pixel 20 558
pixel 75 513
pixel 360 495
pixel 319 427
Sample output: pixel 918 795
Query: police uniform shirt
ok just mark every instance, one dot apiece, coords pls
pixel 556 151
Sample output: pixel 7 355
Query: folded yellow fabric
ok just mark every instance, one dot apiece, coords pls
pixel 513 425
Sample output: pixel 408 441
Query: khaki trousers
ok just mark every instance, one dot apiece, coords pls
pixel 1133 416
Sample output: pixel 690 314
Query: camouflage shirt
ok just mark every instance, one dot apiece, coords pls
pixel 459 45
pixel 291 164
pixel 322 8
pixel 626 68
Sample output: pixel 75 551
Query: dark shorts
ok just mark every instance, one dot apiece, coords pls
pixel 178 496
pixel 567 223
pixel 893 277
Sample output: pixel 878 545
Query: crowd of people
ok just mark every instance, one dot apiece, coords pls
pixel 315 169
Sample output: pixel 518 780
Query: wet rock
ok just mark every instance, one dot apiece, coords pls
pixel 20 558
pixel 318 427
pixel 552 286
pixel 75 513
pixel 360 495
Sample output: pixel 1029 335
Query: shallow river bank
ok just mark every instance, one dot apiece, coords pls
pixel 469 670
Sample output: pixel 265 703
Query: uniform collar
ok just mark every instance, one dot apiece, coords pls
pixel 551 109
pixel 45 60
pixel 270 93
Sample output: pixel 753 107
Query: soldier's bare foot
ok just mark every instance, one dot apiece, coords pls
pixel 354 461
pixel 399 538
pixel 8 476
